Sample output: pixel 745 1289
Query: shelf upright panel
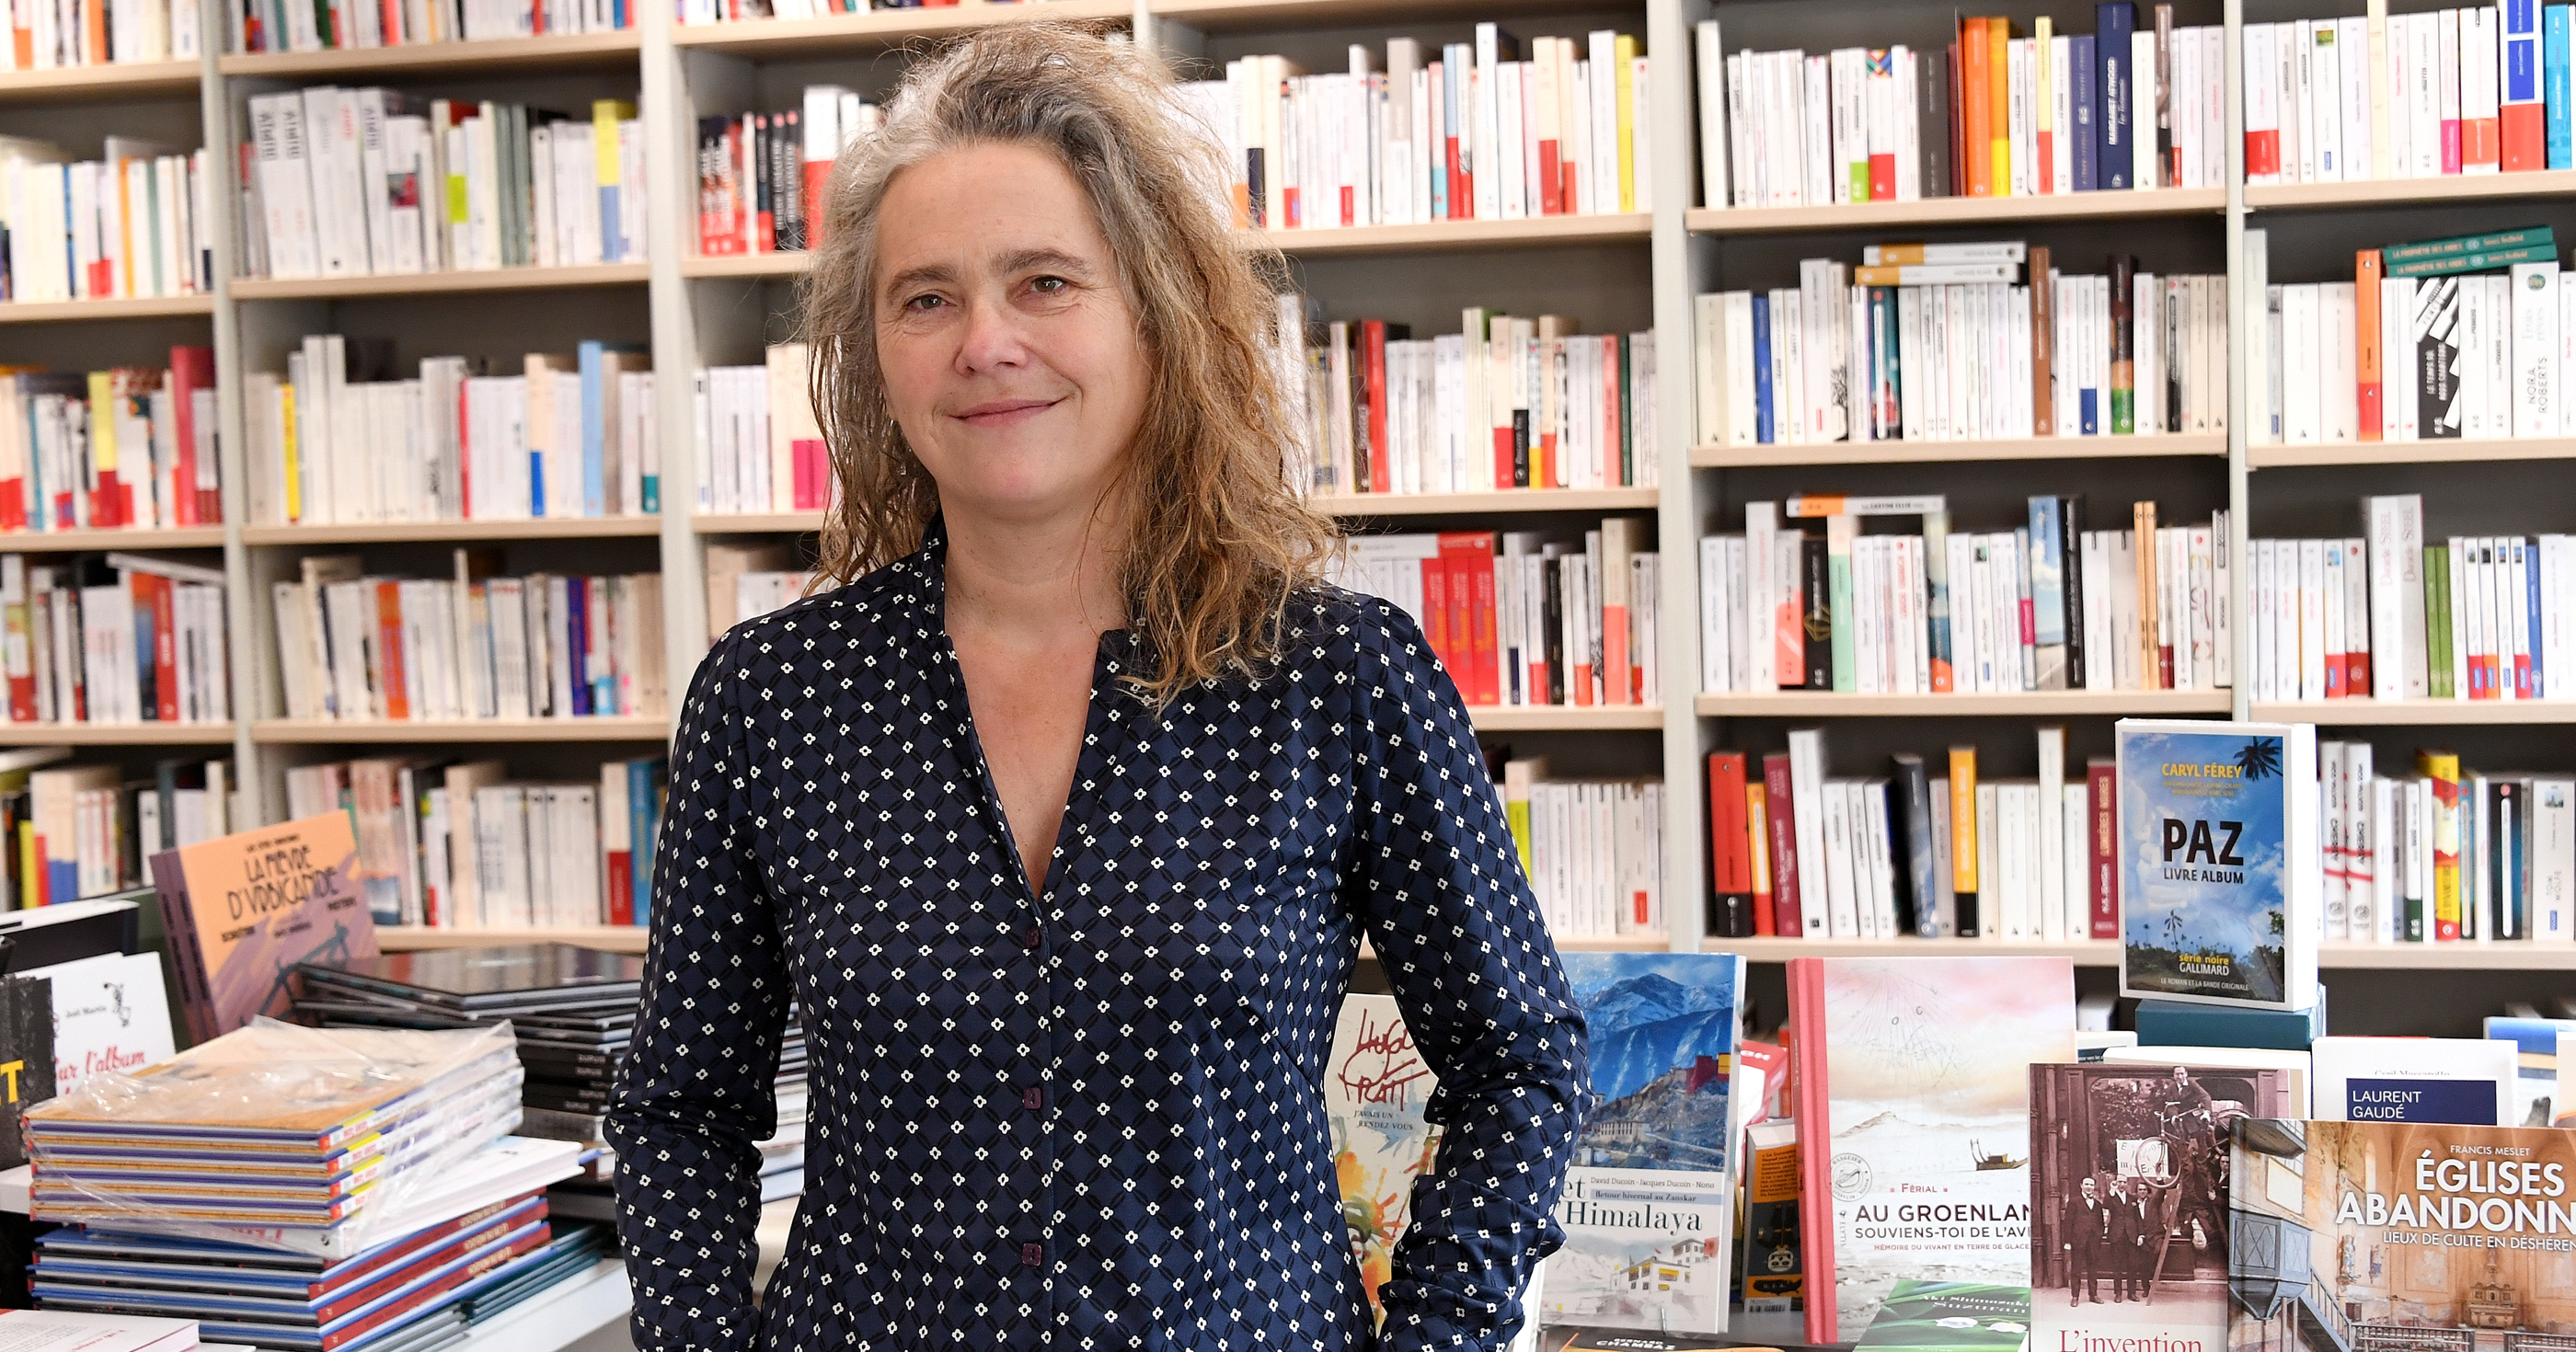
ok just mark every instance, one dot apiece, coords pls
pixel 669 110
pixel 242 611
pixel 1681 266
pixel 2239 529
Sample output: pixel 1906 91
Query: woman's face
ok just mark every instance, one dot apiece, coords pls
pixel 1011 354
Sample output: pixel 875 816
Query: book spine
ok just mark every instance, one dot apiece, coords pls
pixel 1965 864
pixel 1731 862
pixel 1787 881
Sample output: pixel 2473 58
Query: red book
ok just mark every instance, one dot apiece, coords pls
pixel 2356 678
pixel 621 887
pixel 1730 848
pixel 2102 798
pixel 389 666
pixel 192 369
pixel 1787 915
pixel 162 594
pixel 1374 334
pixel 2526 141
pixel 1435 618
pixel 2334 675
pixel 1489 656
pixel 1469 556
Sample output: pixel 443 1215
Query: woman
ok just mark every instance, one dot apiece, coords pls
pixel 1061 823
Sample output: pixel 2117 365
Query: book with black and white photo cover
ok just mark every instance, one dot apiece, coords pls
pixel 2128 1199
pixel 1649 1204
pixel 2220 882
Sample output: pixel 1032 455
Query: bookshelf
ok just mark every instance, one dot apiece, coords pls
pixel 1613 272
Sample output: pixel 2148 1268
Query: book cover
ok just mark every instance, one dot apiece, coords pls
pixel 2535 1044
pixel 2391 1079
pixel 1913 1089
pixel 2219 874
pixel 1375 1087
pixel 242 910
pixel 2129 1206
pixel 1922 1316
pixel 26 1058
pixel 2398 1234
pixel 1649 1204
pixel 1773 1282
pixel 111 1013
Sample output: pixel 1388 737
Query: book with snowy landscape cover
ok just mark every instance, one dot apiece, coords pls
pixel 1649 1209
pixel 1912 1085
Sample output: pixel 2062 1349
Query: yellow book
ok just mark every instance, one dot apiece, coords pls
pixel 294 463
pixel 1624 49
pixel 2443 768
pixel 1963 820
pixel 2044 91
pixel 1518 777
pixel 1999 100
pixel 102 436
pixel 27 861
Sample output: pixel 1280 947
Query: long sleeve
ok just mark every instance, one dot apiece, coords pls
pixel 1441 891
pixel 695 1093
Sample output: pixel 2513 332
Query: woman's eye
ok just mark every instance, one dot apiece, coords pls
pixel 922 303
pixel 1050 286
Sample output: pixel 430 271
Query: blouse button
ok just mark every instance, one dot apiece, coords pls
pixel 1032 1255
pixel 1032 938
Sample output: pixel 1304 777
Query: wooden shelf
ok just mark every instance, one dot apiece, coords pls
pixel 756 523
pixel 1956 452
pixel 369 532
pixel 1217 16
pixel 1554 718
pixel 567 50
pixel 2348 713
pixel 2058 703
pixel 116 734
pixel 1775 948
pixel 2446 190
pixel 66 541
pixel 1939 211
pixel 124 307
pixel 270 731
pixel 1499 500
pixel 438 283
pixel 776 38
pixel 790 263
pixel 1438 236
pixel 121 80
pixel 607 938
pixel 1625 943
pixel 2411 452
pixel 2467 956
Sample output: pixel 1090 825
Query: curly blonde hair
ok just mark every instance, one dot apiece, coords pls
pixel 1217 541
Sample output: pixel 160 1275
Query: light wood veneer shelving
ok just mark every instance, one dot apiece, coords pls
pixel 1555 718
pixel 371 532
pixel 2105 953
pixel 554 50
pixel 607 938
pixel 1500 500
pixel 2447 190
pixel 2039 703
pixel 86 311
pixel 441 283
pixel 278 731
pixel 1956 452
pixel 798 38
pixel 2355 713
pixel 1949 211
pixel 128 80
pixel 115 734
pixel 2411 453
pixel 68 541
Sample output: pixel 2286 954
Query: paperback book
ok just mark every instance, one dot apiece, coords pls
pixel 1912 1080
pixel 1950 1317
pixel 242 910
pixel 1375 1088
pixel 1649 1205
pixel 2469 1081
pixel 2219 879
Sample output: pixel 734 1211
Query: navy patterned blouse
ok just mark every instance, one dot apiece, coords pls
pixel 1091 1119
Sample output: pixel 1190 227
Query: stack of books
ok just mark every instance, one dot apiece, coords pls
pixel 130 446
pixel 747 581
pixel 86 830
pixel 1593 849
pixel 758 439
pixel 133 222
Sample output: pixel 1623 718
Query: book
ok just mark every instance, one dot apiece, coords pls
pixel 2392 1079
pixel 110 1013
pixel 2177 1023
pixel 27 1070
pixel 2219 876
pixel 1912 1081
pixel 1375 1086
pixel 2129 1207
pixel 2535 1085
pixel 1649 1202
pixel 1938 1316
pixel 242 910
pixel 1772 1280
pixel 73 1331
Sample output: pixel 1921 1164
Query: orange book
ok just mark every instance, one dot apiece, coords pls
pixel 1963 820
pixel 390 656
pixel 1977 113
pixel 1469 558
pixel 1757 817
pixel 1999 101
pixel 242 908
pixel 2368 357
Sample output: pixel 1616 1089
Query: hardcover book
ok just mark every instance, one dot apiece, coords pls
pixel 1950 1317
pixel 2219 874
pixel 111 1013
pixel 2398 1235
pixel 242 910
pixel 2469 1081
pixel 1912 1079
pixel 1375 1087
pixel 2129 1207
pixel 26 1058
pixel 1649 1205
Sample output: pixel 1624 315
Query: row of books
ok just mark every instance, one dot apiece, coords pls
pixel 736 11
pixel 136 221
pixel 347 182
pixel 760 446
pixel 748 580
pixel 116 638
pixel 2447 854
pixel 1520 618
pixel 71 832
pixel 1909 352
pixel 758 171
pixel 1796 852
pixel 2126 106
pixel 359 646
pixel 1492 129
pixel 342 437
pixel 60 33
pixel 2477 89
pixel 1507 402
pixel 461 845
pixel 2472 617
pixel 2050 605
pixel 1593 850
pixel 132 446
pixel 2468 355
pixel 338 25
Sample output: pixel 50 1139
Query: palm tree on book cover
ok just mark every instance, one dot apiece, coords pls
pixel 2261 758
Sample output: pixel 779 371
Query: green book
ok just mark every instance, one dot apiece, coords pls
pixel 2534 237
pixel 1627 412
pixel 1839 533
pixel 2496 260
pixel 2437 611
pixel 1935 1316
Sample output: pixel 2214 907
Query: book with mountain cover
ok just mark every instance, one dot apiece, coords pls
pixel 1648 1209
pixel 2220 885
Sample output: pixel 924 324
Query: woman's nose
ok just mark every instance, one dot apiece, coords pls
pixel 993 337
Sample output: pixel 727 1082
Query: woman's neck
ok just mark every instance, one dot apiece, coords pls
pixel 1033 582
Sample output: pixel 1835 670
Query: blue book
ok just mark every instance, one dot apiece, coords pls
pixel 574 626
pixel 1762 429
pixel 2536 1049
pixel 644 779
pixel 2088 113
pixel 2414 1079
pixel 594 484
pixel 2048 591
pixel 2221 875
pixel 2112 25
pixel 2526 557
pixel 2554 85
pixel 2174 1023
